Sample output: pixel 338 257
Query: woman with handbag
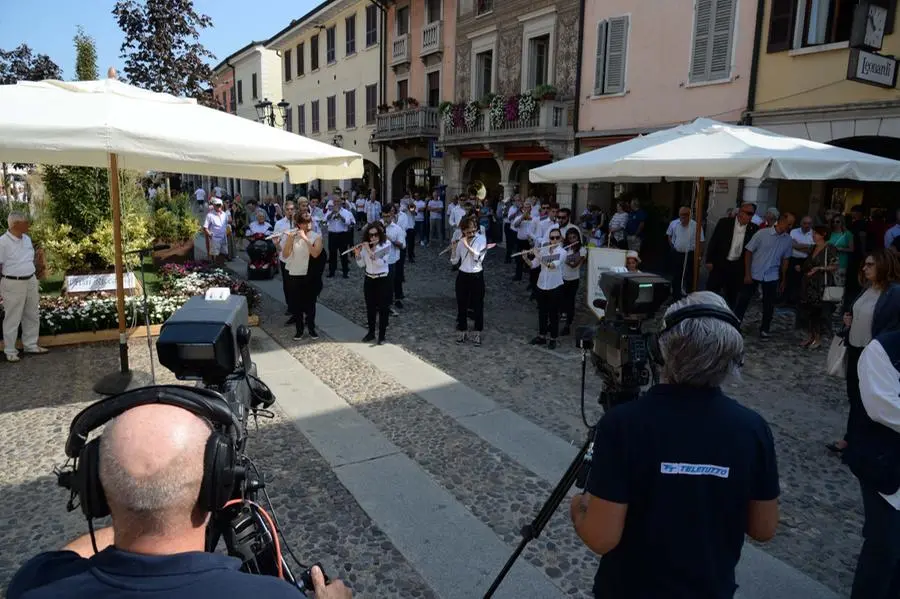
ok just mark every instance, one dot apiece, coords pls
pixel 818 272
pixel 876 310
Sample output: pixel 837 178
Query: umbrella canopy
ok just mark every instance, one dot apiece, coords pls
pixel 707 148
pixel 81 123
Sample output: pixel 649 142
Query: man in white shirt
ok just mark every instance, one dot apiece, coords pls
pixel 682 237
pixel 510 228
pixel 340 236
pixel 524 225
pixel 802 240
pixel 200 196
pixel 216 229
pixel 435 217
pixel 421 219
pixel 282 227
pixel 19 289
pixel 152 193
pixel 453 213
pixel 373 210
pixel 397 236
pixel 359 210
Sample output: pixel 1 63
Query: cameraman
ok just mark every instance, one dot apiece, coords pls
pixel 680 475
pixel 151 467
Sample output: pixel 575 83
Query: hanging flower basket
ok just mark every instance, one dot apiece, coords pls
pixel 527 107
pixel 472 110
pixel 498 111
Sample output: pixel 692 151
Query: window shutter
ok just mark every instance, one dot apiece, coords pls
pixel 600 67
pixel 703 17
pixel 723 26
pixel 617 42
pixel 781 25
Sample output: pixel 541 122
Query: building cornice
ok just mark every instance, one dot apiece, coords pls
pixel 323 12
pixel 237 55
pixel 831 112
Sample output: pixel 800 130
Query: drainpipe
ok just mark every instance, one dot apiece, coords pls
pixel 233 85
pixel 754 78
pixel 381 5
pixel 577 109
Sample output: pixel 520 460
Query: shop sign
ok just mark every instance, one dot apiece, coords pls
pixel 872 69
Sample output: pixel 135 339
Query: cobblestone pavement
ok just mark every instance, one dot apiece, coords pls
pixel 321 520
pixel 821 508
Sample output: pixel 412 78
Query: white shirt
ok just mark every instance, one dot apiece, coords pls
pixel 550 260
pixel 257 228
pixel 339 221
pixel 470 261
pixel 618 221
pixel 803 239
pixel 684 237
pixel 282 226
pixel 525 229
pixel 511 216
pixel 405 220
pixel 373 210
pixel 375 262
pixel 542 229
pixel 395 233
pixel 562 231
pixel 879 387
pixel 298 262
pixel 420 210
pixel 455 213
pixel 432 204
pixel 569 273
pixel 361 204
pixel 215 223
pixel 200 195
pixel 737 241
pixel 151 193
pixel 16 255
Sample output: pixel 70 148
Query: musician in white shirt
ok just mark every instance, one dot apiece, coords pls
pixel 301 247
pixel 372 254
pixel 509 229
pixel 469 251
pixel 281 228
pixel 523 224
pixel 421 219
pixel 435 217
pixel 340 236
pixel 359 212
pixel 19 288
pixel 373 210
pixel 397 237
pixel 405 221
pixel 412 229
pixel 575 257
pixel 548 260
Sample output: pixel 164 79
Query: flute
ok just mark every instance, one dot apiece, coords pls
pixel 548 246
pixel 274 235
pixel 354 248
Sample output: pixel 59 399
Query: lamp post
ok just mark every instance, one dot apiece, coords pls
pixel 266 113
pixel 338 141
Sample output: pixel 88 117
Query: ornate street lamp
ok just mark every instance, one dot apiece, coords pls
pixel 266 112
pixel 338 141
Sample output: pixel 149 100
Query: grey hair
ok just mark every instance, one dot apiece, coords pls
pixel 262 213
pixel 16 217
pixel 701 352
pixel 773 211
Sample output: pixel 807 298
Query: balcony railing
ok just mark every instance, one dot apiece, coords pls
pixel 400 50
pixel 406 124
pixel 431 38
pixel 549 123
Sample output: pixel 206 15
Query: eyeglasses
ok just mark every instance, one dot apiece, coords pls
pixel 373 234
pixel 555 238
pixel 868 264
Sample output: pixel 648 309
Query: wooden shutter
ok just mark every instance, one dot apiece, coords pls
pixel 600 67
pixel 781 25
pixel 617 43
pixel 720 51
pixel 703 19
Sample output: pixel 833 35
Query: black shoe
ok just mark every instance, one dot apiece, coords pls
pixel 369 337
pixel 313 334
pixel 288 313
pixel 552 344
pixel 565 330
pixel 765 335
pixel 290 321
pixel 381 341
pixel 298 335
pixel 346 276
pixel 398 304
pixel 538 341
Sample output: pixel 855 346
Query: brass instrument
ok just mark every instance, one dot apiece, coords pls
pixel 478 190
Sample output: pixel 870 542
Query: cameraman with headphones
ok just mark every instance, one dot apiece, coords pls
pixel 154 462
pixel 679 476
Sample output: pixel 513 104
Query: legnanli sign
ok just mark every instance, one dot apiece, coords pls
pixel 873 69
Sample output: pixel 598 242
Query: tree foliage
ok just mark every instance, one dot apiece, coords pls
pixel 78 196
pixel 85 57
pixel 161 48
pixel 21 64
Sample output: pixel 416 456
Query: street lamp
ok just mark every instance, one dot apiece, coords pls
pixel 266 113
pixel 373 145
pixel 338 141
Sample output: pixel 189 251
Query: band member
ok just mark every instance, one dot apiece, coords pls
pixel 523 223
pixel 469 252
pixel 372 254
pixel 406 223
pixel 282 227
pixel 548 259
pixel 340 235
pixel 302 246
pixel 411 232
pixel 397 237
pixel 510 229
pixel 576 255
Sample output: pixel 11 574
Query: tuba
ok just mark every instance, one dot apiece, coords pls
pixel 478 190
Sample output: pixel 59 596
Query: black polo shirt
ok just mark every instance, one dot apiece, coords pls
pixel 687 461
pixel 114 573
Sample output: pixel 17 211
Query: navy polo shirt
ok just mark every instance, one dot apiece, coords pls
pixel 687 461
pixel 114 573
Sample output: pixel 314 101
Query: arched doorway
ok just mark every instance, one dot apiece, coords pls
pixel 370 180
pixel 518 176
pixel 412 174
pixel 485 170
pixel 844 194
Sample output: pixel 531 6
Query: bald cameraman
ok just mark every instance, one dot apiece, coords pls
pixel 151 467
pixel 679 476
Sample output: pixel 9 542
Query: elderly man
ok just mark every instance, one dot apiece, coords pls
pixel 151 468
pixel 19 289
pixel 215 227
pixel 682 236
pixel 725 253
pixel 669 515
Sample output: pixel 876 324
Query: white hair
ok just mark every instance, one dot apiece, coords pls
pixel 773 211
pixel 16 217
pixel 701 352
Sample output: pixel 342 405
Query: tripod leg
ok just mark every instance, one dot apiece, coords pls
pixel 147 321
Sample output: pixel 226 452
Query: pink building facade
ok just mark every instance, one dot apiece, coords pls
pixel 223 88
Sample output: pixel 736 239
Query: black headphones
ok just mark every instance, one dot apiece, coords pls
pixel 672 320
pixel 219 467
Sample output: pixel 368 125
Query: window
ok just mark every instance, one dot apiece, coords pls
pixel 713 35
pixel 538 60
pixel 224 100
pixel 483 7
pixel 403 20
pixel 314 52
pixel 612 45
pixel 231 107
pixel 371 25
pixel 433 88
pixel 350 108
pixel 403 89
pixel 371 103
pixel 331 107
pixel 803 23
pixel 484 73
pixel 432 11
pixel 240 92
pixel 350 31
pixel 254 88
pixel 315 116
pixel 301 119
pixel 300 59
pixel 288 119
pixel 330 35
pixel 288 66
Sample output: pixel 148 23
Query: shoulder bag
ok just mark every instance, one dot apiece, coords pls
pixel 832 294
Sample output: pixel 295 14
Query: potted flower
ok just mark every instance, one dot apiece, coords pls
pixel 399 104
pixel 545 92
pixel 383 108
pixel 412 103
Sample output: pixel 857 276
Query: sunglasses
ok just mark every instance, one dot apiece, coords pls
pixel 372 234
pixel 837 222
pixel 555 238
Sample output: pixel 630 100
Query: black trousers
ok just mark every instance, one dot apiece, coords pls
pixel 567 300
pixel 533 275
pixel 285 284
pixel 521 245
pixel 853 395
pixel 727 279
pixel 794 278
pixel 877 573
pixel 469 296
pixel 411 244
pixel 378 302
pixel 682 272
pixel 337 243
pixel 392 276
pixel 510 242
pixel 769 293
pixel 303 290
pixel 548 311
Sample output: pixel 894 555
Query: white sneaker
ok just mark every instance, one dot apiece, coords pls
pixel 37 349
pixel 12 357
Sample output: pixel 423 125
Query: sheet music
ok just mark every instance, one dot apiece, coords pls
pixel 379 254
pixel 549 258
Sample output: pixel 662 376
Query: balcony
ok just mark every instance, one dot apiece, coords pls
pixel 549 123
pixel 431 38
pixel 412 123
pixel 400 50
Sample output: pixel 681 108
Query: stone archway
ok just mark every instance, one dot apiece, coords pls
pixel 487 171
pixel 410 174
pixel 518 178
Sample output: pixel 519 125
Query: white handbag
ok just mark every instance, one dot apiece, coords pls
pixel 836 362
pixel 832 294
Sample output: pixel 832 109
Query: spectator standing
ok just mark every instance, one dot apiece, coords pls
pixel 725 253
pixel 682 237
pixel 634 230
pixel 802 241
pixel 435 216
pixel 893 232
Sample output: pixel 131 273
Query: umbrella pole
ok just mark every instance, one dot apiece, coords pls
pixel 698 245
pixel 117 382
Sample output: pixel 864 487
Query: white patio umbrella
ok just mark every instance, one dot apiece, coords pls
pixel 709 149
pixel 112 125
